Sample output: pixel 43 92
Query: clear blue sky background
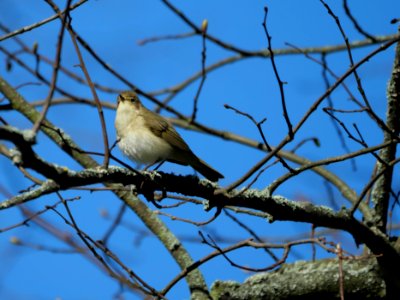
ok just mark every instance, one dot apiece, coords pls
pixel 113 29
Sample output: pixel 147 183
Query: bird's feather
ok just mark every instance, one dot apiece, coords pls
pixel 163 129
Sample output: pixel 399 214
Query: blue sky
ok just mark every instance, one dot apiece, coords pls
pixel 113 29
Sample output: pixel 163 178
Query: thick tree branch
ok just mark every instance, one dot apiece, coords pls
pixel 145 183
pixel 309 280
pixel 381 192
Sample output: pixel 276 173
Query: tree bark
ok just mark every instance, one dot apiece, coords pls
pixel 362 279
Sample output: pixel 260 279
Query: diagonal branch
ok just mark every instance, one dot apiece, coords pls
pixel 38 24
pixel 56 67
pixel 355 23
pixel 88 80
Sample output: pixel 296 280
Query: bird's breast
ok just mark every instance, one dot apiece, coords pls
pixel 142 146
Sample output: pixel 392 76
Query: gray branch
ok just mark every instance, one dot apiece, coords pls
pixel 147 183
pixel 382 189
pixel 308 280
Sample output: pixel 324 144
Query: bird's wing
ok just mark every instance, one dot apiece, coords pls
pixel 163 129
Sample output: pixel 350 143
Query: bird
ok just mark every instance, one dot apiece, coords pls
pixel 148 138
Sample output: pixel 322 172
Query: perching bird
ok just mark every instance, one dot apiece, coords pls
pixel 149 138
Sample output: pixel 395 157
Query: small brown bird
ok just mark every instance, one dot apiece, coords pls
pixel 148 138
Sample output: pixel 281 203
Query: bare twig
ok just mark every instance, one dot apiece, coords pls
pixel 330 102
pixel 313 107
pixel 18 242
pixel 217 213
pixel 261 132
pixel 355 23
pixel 361 90
pixel 287 247
pixel 114 224
pixel 39 57
pixel 246 243
pixel 96 99
pixel 88 79
pixel 371 183
pixel 251 232
pixel 280 82
pixel 145 288
pixel 326 161
pixel 203 70
pixel 32 216
pixel 326 68
pixel 56 66
pixel 165 37
pixel 198 30
pixel 38 24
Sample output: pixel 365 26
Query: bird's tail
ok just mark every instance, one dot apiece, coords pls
pixel 204 169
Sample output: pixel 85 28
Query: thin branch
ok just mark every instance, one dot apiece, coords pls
pixel 56 66
pixel 330 102
pixel 370 184
pixel 41 23
pixel 361 90
pixel 327 69
pixel 203 70
pixel 147 289
pixel 261 132
pixel 174 90
pixel 166 37
pixel 198 30
pixel 355 23
pixel 327 161
pixel 95 97
pixel 286 247
pixel 360 140
pixel 280 82
pixel 175 218
pixel 33 216
pixel 18 242
pixel 251 232
pixel 67 23
pixel 313 107
pixel 114 224
pixel 34 51
pixel 35 73
pixel 246 243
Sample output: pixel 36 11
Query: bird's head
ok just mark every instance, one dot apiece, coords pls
pixel 128 100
